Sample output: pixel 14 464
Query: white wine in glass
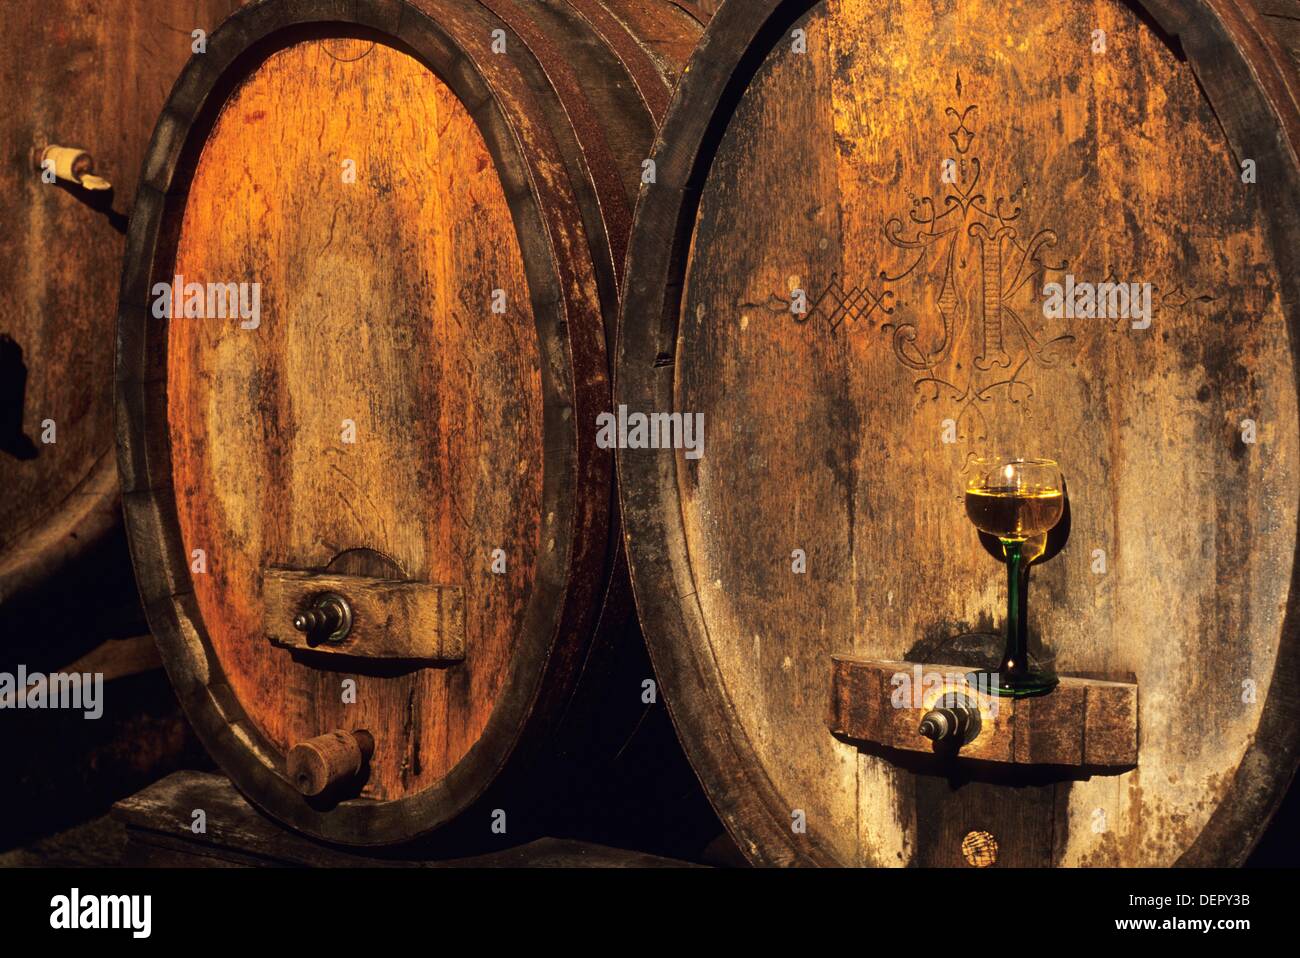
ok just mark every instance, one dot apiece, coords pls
pixel 1016 499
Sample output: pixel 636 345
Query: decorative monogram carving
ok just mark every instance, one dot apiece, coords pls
pixel 965 232
pixel 973 255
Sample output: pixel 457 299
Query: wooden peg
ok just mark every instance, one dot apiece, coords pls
pixel 329 760
pixel 72 165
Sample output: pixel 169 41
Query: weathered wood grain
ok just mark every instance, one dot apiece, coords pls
pixel 91 76
pixel 118 658
pixel 951 813
pixel 329 762
pixel 389 281
pixel 391 619
pixel 157 823
pixel 919 174
pixel 1082 722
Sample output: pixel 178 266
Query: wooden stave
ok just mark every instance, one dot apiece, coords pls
pixel 594 592
pixel 1232 51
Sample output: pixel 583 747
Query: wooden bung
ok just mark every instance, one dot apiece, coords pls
pixel 329 761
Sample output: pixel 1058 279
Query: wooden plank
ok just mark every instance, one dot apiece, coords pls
pixel 391 619
pixel 1082 722
pixel 99 842
pixel 159 819
pixel 119 658
pixel 1049 730
pixel 1110 727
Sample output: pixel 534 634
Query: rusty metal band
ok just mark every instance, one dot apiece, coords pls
pixel 586 125
pixel 635 58
pixel 698 15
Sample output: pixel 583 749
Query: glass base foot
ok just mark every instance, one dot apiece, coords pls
pixel 1020 686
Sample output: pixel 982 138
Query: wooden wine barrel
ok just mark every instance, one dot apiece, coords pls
pixel 93 80
pixel 845 266
pixel 397 453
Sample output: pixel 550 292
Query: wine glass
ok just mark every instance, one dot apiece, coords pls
pixel 1018 500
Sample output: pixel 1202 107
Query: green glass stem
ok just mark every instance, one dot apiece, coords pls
pixel 1015 660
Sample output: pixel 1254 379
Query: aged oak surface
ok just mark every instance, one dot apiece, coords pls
pixel 377 311
pixel 1085 721
pixel 842 266
pixel 89 75
pixel 437 230
pixel 408 621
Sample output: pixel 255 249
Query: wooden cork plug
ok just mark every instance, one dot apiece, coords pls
pixel 329 761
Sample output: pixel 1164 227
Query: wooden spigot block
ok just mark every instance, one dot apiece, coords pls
pixel 1082 722
pixel 390 619
pixel 329 761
